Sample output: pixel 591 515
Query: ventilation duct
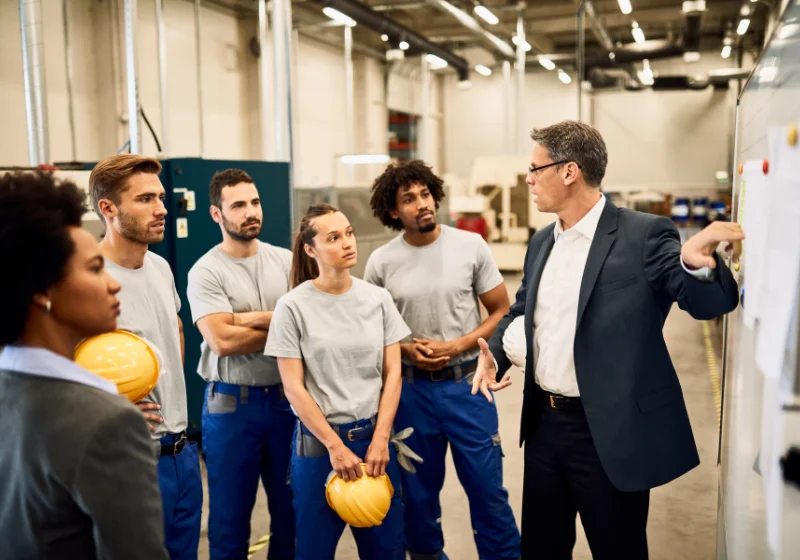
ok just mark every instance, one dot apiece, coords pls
pixel 379 23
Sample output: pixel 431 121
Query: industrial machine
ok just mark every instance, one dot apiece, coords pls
pixel 498 194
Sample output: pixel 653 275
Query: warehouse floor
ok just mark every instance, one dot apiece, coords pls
pixel 682 523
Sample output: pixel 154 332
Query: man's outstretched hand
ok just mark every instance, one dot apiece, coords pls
pixel 486 374
pixel 698 251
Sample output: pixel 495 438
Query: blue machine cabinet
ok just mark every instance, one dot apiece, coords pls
pixel 183 246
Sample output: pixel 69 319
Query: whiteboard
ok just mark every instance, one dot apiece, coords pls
pixel 771 97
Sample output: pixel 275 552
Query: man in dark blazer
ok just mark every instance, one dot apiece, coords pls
pixel 603 416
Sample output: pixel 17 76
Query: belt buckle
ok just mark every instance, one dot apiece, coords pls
pixel 181 439
pixel 552 402
pixel 350 433
pixel 440 376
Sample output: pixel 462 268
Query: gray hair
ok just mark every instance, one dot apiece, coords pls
pixel 578 142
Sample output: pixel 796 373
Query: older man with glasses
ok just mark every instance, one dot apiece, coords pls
pixel 603 416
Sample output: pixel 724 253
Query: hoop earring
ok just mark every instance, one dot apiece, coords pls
pixel 48 305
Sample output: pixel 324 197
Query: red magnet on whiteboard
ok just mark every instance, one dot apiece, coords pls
pixel 765 166
pixel 741 168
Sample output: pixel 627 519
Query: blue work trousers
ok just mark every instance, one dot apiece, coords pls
pixel 319 528
pixel 181 499
pixel 441 413
pixel 247 435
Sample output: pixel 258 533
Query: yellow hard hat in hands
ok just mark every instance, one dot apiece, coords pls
pixel 123 358
pixel 363 502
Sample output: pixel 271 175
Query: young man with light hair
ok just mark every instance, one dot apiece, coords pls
pixel 127 194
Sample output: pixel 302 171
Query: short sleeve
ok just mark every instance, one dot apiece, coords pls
pixel 486 275
pixel 371 272
pixel 287 264
pixel 283 340
pixel 394 328
pixel 206 294
pixel 177 297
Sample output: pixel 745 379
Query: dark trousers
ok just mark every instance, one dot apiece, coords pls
pixel 563 476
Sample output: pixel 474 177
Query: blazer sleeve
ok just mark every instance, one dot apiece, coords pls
pixel 116 485
pixel 516 309
pixel 666 275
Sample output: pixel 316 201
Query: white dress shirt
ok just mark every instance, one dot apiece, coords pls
pixel 556 313
pixel 44 363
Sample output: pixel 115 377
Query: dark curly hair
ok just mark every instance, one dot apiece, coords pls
pixel 35 214
pixel 222 179
pixel 398 176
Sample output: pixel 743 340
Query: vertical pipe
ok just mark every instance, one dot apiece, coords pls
pixel 68 68
pixel 520 116
pixel 423 141
pixel 263 79
pixel 30 12
pixel 162 74
pixel 134 129
pixel 348 98
pixel 30 117
pixel 281 42
pixel 508 111
pixel 580 56
pixel 198 49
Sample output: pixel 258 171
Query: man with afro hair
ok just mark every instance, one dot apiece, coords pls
pixel 438 277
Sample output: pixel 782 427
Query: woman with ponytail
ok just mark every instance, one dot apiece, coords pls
pixel 337 341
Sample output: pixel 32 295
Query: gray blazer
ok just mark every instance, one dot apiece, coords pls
pixel 77 474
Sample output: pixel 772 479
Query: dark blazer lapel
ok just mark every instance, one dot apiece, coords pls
pixel 601 245
pixel 535 276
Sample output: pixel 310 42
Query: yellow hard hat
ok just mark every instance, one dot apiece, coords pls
pixel 363 502
pixel 122 357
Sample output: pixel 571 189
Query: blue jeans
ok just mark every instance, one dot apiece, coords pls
pixel 247 435
pixel 319 527
pixel 181 499
pixel 442 413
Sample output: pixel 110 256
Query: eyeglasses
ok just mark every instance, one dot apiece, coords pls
pixel 535 169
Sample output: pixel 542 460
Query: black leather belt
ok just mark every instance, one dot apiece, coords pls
pixel 175 448
pixel 451 373
pixel 554 400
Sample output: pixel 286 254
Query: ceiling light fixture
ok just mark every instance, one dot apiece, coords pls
pixel 483 70
pixel 638 33
pixel 564 77
pixel 646 74
pixel 526 45
pixel 338 16
pixel 403 45
pixel 436 62
pixel 743 26
pixel 547 63
pixel 486 15
pixel 726 51
pixel 625 6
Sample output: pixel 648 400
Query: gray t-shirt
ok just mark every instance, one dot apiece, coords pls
pixel 219 283
pixel 340 339
pixel 149 306
pixel 436 287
